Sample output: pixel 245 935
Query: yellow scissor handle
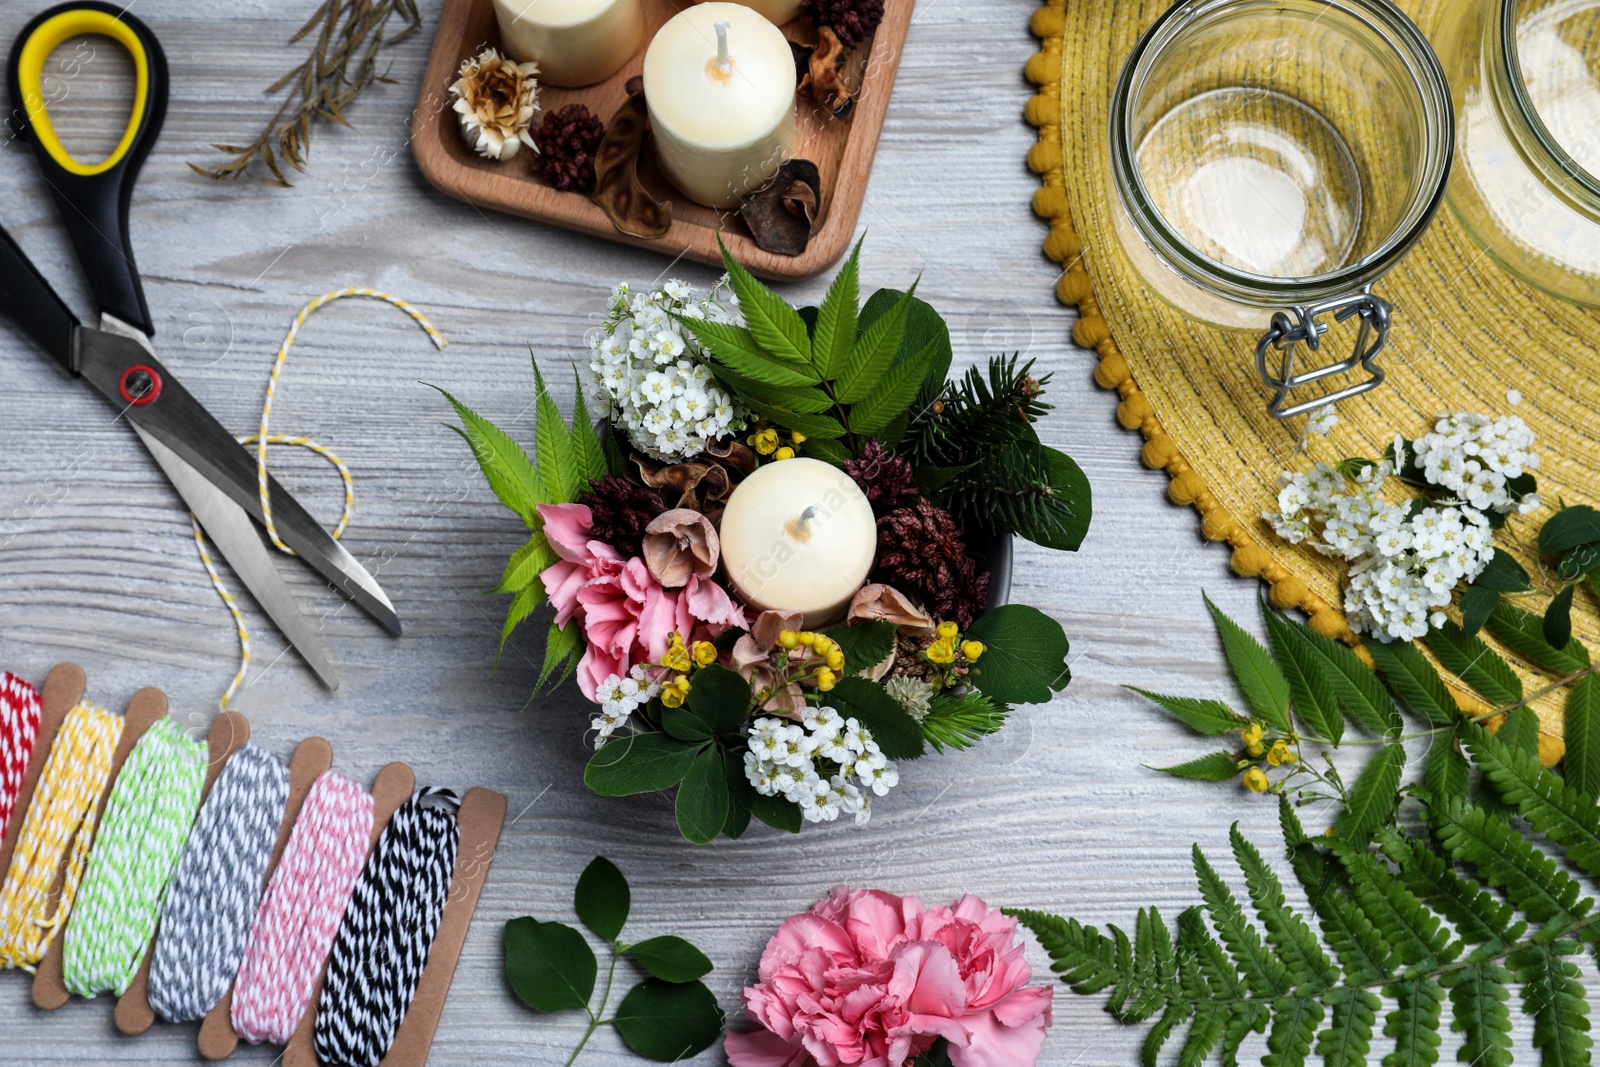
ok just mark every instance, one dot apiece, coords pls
pixel 34 53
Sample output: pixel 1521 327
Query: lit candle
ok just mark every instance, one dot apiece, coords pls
pixel 575 42
pixel 798 535
pixel 776 12
pixel 719 80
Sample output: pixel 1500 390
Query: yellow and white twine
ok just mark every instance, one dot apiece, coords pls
pixel 60 822
pixel 261 439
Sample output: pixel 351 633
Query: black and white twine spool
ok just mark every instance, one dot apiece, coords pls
pixel 388 928
pixel 214 893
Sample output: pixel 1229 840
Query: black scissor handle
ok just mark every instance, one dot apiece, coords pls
pixel 93 197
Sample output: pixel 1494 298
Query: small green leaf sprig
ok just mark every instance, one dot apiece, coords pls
pixel 669 1015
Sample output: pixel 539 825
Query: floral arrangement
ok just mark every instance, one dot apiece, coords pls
pixel 867 977
pixel 1408 554
pixel 764 706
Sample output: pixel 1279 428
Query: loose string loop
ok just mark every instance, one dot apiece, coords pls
pixel 217 886
pixel 300 912
pixel 60 824
pixel 147 820
pixel 382 944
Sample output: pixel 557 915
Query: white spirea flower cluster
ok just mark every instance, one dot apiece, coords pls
pixel 620 698
pixel 1405 560
pixel 826 764
pixel 662 394
pixel 1476 458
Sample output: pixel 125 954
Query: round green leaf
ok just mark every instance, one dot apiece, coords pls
pixel 704 798
pixel 666 1021
pixel 1067 483
pixel 720 698
pixel 1024 655
pixel 642 763
pixel 550 966
pixel 671 959
pixel 602 898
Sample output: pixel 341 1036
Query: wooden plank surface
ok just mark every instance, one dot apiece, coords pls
pixel 98 565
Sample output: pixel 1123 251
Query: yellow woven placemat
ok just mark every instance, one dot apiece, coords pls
pixel 1466 333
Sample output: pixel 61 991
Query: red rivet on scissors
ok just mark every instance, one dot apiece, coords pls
pixel 140 384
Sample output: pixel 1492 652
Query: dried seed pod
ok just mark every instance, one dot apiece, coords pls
pixel 782 213
pixel 821 72
pixel 618 190
pixel 496 99
pixel 678 544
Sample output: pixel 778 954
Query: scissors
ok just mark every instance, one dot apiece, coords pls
pixel 211 471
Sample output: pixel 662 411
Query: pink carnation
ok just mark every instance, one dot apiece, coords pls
pixel 869 979
pixel 625 613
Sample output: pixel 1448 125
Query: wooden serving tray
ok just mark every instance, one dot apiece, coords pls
pixel 842 150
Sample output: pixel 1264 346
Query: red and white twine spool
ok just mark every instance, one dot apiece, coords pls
pixel 19 726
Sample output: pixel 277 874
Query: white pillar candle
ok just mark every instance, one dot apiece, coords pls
pixel 776 12
pixel 575 42
pixel 799 535
pixel 719 81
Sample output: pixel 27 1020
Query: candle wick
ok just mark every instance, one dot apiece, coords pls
pixel 724 61
pixel 800 529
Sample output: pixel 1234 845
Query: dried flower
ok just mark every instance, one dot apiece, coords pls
pixel 567 141
pixel 680 543
pixel 912 694
pixel 621 510
pixel 496 99
pixel 922 550
pixel 884 477
pixel 879 602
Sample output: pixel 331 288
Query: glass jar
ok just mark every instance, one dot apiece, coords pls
pixel 1525 75
pixel 1272 160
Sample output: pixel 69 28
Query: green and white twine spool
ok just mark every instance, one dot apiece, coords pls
pixel 146 824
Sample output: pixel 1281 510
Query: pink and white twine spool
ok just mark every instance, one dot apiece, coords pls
pixel 19 726
pixel 301 910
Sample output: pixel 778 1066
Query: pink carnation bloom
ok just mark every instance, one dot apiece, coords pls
pixel 869 979
pixel 625 613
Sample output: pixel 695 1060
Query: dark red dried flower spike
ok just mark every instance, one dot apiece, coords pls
pixel 922 550
pixel 567 141
pixel 885 478
pixel 852 20
pixel 621 511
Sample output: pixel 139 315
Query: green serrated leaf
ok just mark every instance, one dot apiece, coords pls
pixel 896 732
pixel 671 959
pixel 1523 632
pixel 835 333
pixel 889 398
pixel 1263 684
pixel 525 564
pixel 821 427
pixel 1410 674
pixel 1301 664
pixel 1362 696
pixel 669 1021
pixel 1216 767
pixel 561 646
pixel 602 898
pixel 1024 661
pixel 1374 795
pixel 549 965
pixel 560 478
pixel 736 348
pixel 1475 663
pixel 522 605
pixel 776 326
pixel 873 353
pixel 586 446
pixel 505 465
pixel 1581 764
pixel 1212 718
pixel 1444 773
pixel 864 644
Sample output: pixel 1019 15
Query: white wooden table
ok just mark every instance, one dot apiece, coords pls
pixel 98 565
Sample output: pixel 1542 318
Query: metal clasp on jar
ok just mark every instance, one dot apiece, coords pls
pixel 1304 323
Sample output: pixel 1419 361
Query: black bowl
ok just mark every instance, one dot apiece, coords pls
pixel 997 556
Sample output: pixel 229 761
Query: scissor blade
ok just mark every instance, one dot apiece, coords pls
pixel 179 421
pixel 236 538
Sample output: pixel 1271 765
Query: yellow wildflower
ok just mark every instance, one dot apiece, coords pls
pixel 807 638
pixel 941 651
pixel 1255 780
pixel 705 653
pixel 1252 734
pixel 764 441
pixel 797 437
pixel 788 639
pixel 948 630
pixel 784 453
pixel 671 697
pixel 1281 753
pixel 972 649
pixel 836 660
pixel 826 679
pixel 676 658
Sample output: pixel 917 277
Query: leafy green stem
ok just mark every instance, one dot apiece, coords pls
pixel 595 1020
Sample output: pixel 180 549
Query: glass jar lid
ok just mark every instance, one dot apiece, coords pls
pixel 1552 52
